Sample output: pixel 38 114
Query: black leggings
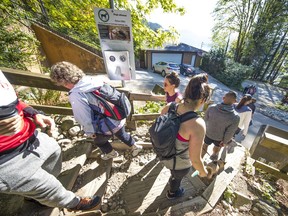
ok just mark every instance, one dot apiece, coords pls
pixel 102 142
pixel 176 178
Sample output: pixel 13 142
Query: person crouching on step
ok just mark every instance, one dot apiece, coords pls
pixel 98 127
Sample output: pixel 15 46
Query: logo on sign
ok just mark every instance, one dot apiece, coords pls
pixel 103 15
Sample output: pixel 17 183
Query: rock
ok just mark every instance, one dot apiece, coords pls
pixel 241 199
pixel 104 208
pixel 122 211
pixel 67 123
pixel 64 142
pixel 74 131
pixel 225 204
pixel 113 206
pixel 261 208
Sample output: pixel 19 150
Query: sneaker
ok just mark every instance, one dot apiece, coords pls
pixel 110 155
pixel 179 193
pixel 136 149
pixel 87 204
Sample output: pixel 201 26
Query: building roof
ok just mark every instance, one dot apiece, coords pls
pixel 183 47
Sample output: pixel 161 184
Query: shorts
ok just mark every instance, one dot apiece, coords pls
pixel 209 141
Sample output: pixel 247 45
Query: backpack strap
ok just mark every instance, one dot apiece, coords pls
pixel 173 107
pixel 187 116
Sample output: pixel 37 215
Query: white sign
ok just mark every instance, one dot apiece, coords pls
pixel 115 34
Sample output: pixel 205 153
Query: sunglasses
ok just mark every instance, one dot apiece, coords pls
pixel 165 84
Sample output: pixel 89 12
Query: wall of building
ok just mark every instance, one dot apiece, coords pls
pixel 57 48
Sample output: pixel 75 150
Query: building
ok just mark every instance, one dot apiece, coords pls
pixel 181 54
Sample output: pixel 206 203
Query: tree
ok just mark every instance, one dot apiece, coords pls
pixel 261 27
pixel 76 18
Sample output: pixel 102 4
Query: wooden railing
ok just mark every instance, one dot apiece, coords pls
pixel 26 78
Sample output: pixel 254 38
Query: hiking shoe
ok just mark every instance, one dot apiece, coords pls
pixel 179 193
pixel 110 155
pixel 136 149
pixel 87 204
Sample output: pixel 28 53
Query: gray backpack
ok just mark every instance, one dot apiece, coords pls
pixel 164 131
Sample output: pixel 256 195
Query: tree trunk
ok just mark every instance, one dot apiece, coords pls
pixel 278 60
pixel 273 56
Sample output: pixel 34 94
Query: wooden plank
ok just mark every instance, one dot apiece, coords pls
pixel 195 206
pixel 27 78
pixel 257 140
pixel 151 116
pixel 145 97
pixel 284 165
pixel 215 190
pixel 53 109
pixel 274 171
pixel 275 143
pixel 118 145
pixel 74 158
pixel 94 180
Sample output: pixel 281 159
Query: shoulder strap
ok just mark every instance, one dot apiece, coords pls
pixel 187 116
pixel 184 117
pixel 173 107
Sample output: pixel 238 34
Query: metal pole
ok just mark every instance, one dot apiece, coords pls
pixel 111 2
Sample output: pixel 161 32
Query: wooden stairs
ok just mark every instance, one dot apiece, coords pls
pixel 144 192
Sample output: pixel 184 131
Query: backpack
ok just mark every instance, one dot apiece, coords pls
pixel 116 104
pixel 164 131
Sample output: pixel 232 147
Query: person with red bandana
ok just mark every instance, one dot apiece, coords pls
pixel 30 161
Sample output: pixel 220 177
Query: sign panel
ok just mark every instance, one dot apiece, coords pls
pixel 115 34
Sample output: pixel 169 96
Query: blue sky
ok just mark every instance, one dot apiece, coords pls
pixel 195 27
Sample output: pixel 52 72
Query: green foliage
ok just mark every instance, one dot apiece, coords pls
pixel 76 18
pixel 43 96
pixel 235 73
pixel 225 70
pixel 258 28
pixel 229 195
pixel 16 45
pixel 281 106
pixel 214 62
pixel 151 107
pixel 268 192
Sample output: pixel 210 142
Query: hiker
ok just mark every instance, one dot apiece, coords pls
pixel 171 83
pixel 253 108
pixel 30 161
pixel 96 125
pixel 221 124
pixel 245 114
pixel 190 135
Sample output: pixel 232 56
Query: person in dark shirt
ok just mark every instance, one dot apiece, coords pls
pixel 171 83
pixel 253 108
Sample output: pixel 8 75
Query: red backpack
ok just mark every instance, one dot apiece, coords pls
pixel 116 104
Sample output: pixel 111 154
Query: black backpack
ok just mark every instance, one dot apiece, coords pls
pixel 116 104
pixel 164 131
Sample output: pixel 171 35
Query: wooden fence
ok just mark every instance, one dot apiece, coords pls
pixel 26 78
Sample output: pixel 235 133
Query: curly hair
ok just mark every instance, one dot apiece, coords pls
pixel 65 73
pixel 173 79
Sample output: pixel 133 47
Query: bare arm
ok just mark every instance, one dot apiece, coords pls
pixel 195 146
